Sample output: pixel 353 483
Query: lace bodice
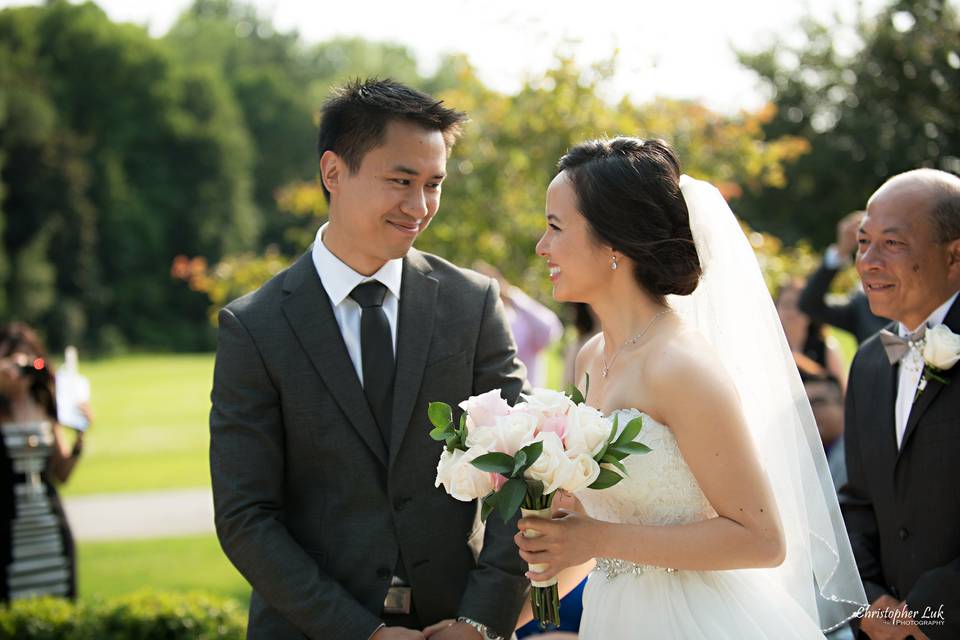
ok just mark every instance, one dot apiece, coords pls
pixel 660 488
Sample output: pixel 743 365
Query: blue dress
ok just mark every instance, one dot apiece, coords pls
pixel 571 608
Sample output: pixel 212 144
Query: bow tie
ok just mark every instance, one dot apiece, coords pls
pixel 897 347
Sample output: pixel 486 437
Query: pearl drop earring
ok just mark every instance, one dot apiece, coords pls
pixel 613 263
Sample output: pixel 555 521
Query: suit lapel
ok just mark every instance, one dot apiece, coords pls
pixel 310 314
pixel 415 319
pixel 933 388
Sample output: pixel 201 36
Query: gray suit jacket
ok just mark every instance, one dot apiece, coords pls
pixel 311 506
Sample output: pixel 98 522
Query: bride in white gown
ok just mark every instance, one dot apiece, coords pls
pixel 729 528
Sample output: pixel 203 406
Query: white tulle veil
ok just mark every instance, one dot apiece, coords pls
pixel 732 308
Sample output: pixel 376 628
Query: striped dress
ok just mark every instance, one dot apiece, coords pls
pixel 38 554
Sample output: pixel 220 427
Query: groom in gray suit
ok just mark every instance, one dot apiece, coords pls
pixel 323 470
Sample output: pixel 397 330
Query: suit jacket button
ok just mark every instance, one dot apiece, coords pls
pixel 384 572
pixel 904 534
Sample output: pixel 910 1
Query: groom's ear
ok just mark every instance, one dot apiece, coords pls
pixel 331 169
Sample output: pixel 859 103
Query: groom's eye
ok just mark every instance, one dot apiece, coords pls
pixel 401 181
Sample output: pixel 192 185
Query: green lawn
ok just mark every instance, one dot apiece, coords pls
pixel 150 424
pixel 193 563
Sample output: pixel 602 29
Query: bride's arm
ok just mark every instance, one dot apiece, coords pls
pixel 696 398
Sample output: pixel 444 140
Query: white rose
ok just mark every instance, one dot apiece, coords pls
pixel 942 348
pixel 508 434
pixel 553 468
pixel 585 472
pixel 548 402
pixel 485 408
pixel 460 478
pixel 587 431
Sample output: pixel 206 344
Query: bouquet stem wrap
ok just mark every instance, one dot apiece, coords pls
pixel 544 595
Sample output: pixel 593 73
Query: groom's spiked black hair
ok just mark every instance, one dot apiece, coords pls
pixel 354 119
pixel 628 189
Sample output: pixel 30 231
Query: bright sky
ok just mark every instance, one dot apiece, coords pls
pixel 678 48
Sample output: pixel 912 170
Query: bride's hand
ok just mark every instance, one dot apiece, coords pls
pixel 565 541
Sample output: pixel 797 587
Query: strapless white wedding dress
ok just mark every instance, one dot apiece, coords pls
pixel 624 601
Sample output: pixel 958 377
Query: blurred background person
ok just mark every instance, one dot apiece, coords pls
pixel 807 336
pixel 852 315
pixel 534 325
pixel 36 546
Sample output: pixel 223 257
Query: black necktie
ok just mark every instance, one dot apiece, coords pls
pixel 376 353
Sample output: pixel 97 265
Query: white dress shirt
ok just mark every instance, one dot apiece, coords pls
pixel 911 368
pixel 339 280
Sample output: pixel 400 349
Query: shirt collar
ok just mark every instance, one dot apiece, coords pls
pixel 935 318
pixel 339 279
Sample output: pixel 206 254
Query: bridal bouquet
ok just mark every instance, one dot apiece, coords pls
pixel 518 457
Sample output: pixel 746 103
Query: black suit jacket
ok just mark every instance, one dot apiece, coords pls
pixel 902 507
pixel 853 315
pixel 310 505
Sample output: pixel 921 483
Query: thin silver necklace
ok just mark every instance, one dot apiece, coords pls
pixel 633 340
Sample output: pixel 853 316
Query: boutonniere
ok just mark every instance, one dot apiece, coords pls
pixel 941 350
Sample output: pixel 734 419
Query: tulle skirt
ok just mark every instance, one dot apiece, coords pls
pixel 692 605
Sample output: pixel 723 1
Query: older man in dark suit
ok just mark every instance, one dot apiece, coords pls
pixel 323 470
pixel 901 502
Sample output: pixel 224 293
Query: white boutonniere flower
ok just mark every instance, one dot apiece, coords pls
pixel 941 351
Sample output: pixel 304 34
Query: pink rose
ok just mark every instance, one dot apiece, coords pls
pixel 554 424
pixel 484 409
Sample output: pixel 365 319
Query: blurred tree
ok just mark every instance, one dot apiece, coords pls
pixel 891 105
pixel 115 161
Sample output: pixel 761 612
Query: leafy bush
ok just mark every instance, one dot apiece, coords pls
pixel 140 616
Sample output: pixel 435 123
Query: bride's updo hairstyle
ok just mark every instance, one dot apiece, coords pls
pixel 628 189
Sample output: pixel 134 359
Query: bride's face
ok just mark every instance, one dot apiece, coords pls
pixel 578 263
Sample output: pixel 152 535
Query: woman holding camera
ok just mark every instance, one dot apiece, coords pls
pixel 36 546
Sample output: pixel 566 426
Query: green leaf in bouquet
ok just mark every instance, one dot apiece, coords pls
pixel 511 497
pixel 606 479
pixel 519 462
pixel 440 414
pixel 488 505
pixel 532 451
pixel 453 442
pixel 632 448
pixel 613 452
pixel 439 434
pixel 630 432
pixel 611 459
pixel 613 429
pixel 495 462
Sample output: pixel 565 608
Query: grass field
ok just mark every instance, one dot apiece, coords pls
pixel 150 424
pixel 193 563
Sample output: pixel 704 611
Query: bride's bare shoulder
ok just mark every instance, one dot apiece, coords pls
pixel 686 367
